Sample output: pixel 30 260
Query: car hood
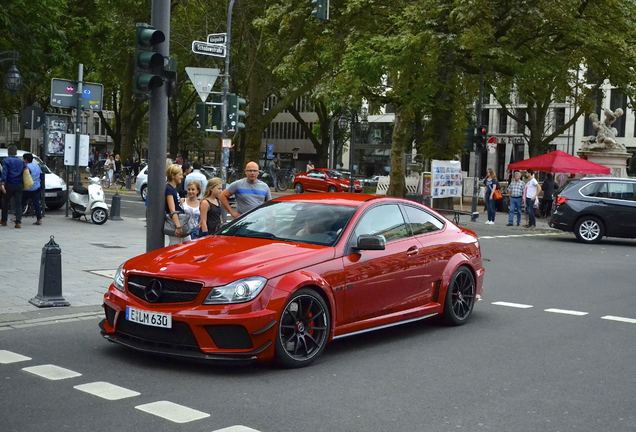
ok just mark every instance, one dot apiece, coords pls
pixel 219 260
pixel 53 181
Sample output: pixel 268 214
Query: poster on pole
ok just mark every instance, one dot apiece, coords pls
pixel 56 127
pixel 446 179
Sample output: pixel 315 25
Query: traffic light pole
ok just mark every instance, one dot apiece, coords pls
pixel 478 150
pixel 158 138
pixel 78 122
pixel 225 155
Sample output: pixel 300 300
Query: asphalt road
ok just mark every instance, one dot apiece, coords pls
pixel 546 359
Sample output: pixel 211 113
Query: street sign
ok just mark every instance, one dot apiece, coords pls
pixel 492 140
pixel 204 48
pixel 64 94
pixel 69 150
pixel 492 144
pixel 203 80
pixel 217 38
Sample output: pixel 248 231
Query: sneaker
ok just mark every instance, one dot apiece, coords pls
pixel 37 222
pixel 509 224
pixel 487 222
pixel 18 225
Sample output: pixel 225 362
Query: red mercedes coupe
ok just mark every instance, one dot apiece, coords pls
pixel 323 180
pixel 287 278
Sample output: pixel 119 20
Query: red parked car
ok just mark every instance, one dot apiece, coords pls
pixel 285 279
pixel 323 180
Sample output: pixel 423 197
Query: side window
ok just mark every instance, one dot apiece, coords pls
pixel 421 221
pixel 595 189
pixel 383 220
pixel 622 191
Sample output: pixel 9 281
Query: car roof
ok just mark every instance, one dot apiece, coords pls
pixel 336 198
pixel 605 178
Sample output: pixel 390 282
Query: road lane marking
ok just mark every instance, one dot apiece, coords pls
pixel 617 318
pixel 513 305
pixel 110 274
pixel 52 372
pixel 520 235
pixel 106 390
pixel 7 357
pixel 236 428
pixel 171 411
pixel 566 312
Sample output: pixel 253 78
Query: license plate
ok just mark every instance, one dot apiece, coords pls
pixel 144 317
pixel 50 194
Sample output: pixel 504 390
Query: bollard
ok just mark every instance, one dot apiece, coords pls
pixel 50 285
pixel 115 207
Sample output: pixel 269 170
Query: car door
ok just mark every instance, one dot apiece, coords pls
pixel 380 282
pixel 312 181
pixel 620 211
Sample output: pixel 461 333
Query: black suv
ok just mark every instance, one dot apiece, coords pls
pixel 594 207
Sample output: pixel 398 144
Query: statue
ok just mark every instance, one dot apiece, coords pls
pixel 605 138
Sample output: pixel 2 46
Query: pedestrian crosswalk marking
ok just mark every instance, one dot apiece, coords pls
pixel 171 411
pixel 52 372
pixel 110 273
pixel 7 357
pixel 566 312
pixel 106 390
pixel 620 319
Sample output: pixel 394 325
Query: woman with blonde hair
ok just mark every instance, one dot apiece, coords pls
pixel 490 183
pixel 210 207
pixel 174 175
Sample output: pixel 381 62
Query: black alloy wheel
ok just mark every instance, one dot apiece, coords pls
pixel 303 330
pixel 460 297
pixel 589 229
pixel 298 188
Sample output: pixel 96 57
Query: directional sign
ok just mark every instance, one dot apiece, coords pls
pixel 64 94
pixel 217 38
pixel 203 80
pixel 204 48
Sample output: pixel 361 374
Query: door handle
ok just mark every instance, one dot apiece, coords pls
pixel 413 250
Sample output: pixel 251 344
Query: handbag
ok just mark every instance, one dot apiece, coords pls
pixel 496 195
pixel 170 229
pixel 27 181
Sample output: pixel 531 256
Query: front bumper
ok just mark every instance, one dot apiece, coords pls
pixel 223 333
pixel 55 197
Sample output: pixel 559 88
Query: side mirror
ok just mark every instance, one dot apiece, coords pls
pixel 370 242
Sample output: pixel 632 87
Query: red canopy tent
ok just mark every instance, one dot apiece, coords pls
pixel 559 162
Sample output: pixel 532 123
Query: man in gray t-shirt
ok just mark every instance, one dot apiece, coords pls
pixel 250 192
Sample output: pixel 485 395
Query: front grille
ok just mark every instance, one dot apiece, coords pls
pixel 229 336
pixel 171 291
pixel 179 336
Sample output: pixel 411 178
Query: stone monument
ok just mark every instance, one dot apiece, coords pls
pixel 603 148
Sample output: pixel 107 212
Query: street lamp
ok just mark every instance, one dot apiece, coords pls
pixel 361 123
pixel 13 79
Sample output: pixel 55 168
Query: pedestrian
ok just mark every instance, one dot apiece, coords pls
pixel 117 167
pixel 186 169
pixel 12 186
pixel 250 192
pixel 198 176
pixel 109 169
pixel 33 193
pixel 174 175
pixel 309 167
pixel 210 208
pixel 531 193
pixel 548 187
pixel 490 183
pixel 515 190
pixel 190 205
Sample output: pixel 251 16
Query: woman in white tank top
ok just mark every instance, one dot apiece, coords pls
pixel 190 205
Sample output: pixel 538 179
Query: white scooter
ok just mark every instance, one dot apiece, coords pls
pixel 84 201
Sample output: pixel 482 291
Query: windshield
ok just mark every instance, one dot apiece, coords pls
pixel 43 167
pixel 293 221
pixel 335 174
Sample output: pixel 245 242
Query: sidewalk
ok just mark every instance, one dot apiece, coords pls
pixel 90 254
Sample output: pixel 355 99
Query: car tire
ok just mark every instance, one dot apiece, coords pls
pixel 460 297
pixel 331 189
pixel 589 229
pixel 303 329
pixel 144 192
pixel 298 188
pixel 99 216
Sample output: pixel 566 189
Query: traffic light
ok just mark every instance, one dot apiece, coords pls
pixel 235 112
pixel 320 9
pixel 149 63
pixel 469 139
pixel 481 138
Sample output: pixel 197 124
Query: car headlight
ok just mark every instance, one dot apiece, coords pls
pixel 118 279
pixel 238 291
